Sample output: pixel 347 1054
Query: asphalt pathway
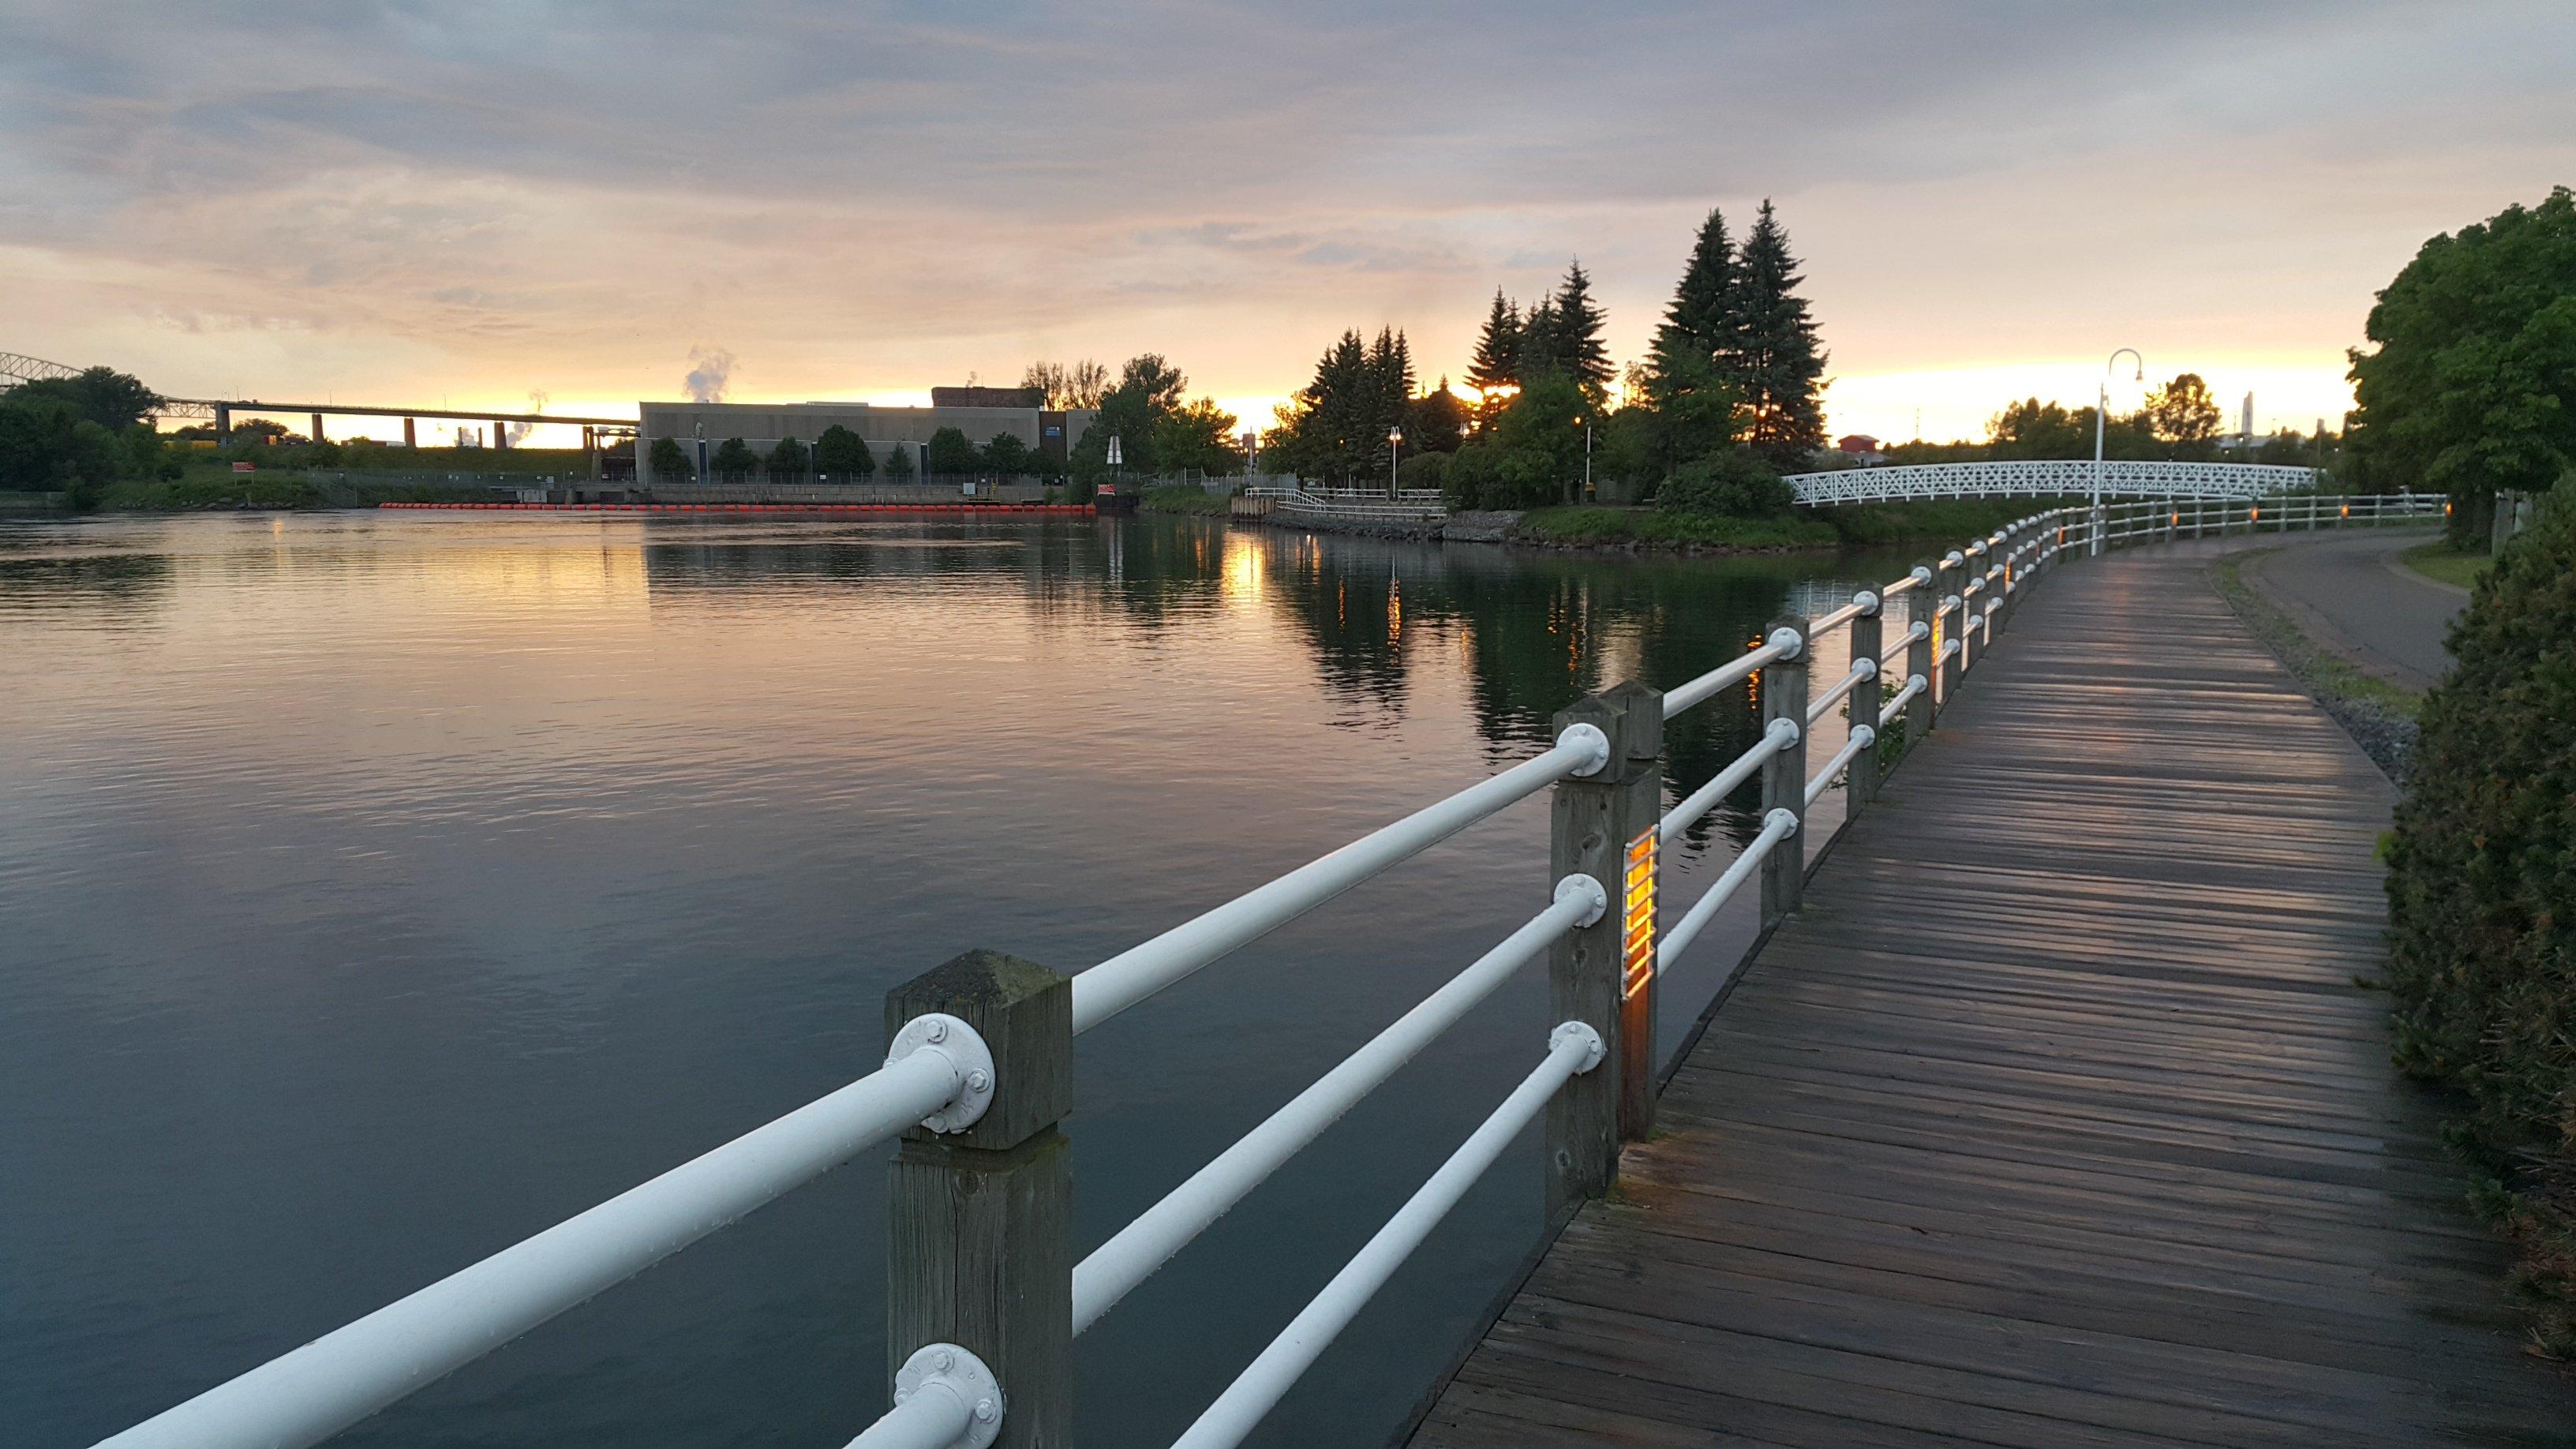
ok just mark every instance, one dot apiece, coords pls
pixel 2352 595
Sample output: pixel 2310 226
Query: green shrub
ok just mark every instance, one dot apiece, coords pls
pixel 1735 483
pixel 2482 897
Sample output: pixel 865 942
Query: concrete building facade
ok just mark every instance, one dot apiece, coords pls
pixel 764 425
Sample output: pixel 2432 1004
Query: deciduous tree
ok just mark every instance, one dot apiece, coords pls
pixel 2470 384
pixel 950 453
pixel 841 453
pixel 1006 456
pixel 734 460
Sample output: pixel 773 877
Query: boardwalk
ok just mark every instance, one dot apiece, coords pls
pixel 2057 1118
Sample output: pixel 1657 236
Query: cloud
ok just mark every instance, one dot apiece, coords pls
pixel 878 196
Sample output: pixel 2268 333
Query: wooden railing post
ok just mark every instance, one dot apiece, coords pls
pixel 1784 775
pixel 979 1251
pixel 1607 825
pixel 1920 714
pixel 1949 625
pixel 1865 699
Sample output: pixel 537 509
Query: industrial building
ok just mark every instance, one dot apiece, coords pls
pixel 980 413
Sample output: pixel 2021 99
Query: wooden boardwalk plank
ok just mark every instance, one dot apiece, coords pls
pixel 2080 1131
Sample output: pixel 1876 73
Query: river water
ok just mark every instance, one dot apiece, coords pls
pixel 375 891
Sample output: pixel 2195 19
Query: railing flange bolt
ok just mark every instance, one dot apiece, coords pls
pixel 1596 899
pixel 1581 1031
pixel 956 1371
pixel 952 1038
pixel 1593 742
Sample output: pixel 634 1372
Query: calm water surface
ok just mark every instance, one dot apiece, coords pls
pixel 377 891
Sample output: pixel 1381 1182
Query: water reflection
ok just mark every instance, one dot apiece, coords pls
pixel 386 889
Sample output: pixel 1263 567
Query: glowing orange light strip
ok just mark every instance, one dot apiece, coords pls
pixel 1637 911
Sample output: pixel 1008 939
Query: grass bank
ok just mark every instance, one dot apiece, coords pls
pixel 1600 525
pixel 1185 498
pixel 2445 564
pixel 2378 715
pixel 1945 522
pixel 205 487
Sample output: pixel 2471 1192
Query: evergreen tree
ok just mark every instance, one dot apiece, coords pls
pixel 1496 366
pixel 1783 368
pixel 1389 393
pixel 1436 422
pixel 1702 322
pixel 1538 355
pixel 1577 348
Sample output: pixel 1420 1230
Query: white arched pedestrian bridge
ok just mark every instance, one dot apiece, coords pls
pixel 2052 478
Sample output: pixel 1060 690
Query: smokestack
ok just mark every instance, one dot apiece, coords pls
pixel 2245 431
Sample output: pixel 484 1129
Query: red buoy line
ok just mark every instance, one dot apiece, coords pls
pixel 907 508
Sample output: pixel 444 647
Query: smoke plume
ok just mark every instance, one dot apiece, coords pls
pixel 518 432
pixel 710 373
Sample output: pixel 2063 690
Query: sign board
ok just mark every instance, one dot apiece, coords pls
pixel 1114 459
pixel 245 467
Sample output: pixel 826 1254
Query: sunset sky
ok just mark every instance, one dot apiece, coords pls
pixel 467 204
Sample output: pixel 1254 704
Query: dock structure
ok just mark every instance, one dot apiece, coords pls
pixel 2054 1108
pixel 2060 1114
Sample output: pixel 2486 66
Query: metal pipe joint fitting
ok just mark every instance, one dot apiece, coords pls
pixel 1585 888
pixel 1594 744
pixel 968 1057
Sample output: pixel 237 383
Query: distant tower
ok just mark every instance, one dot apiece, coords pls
pixel 2245 431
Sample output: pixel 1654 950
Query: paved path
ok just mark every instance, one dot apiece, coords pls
pixel 2350 593
pixel 2056 1119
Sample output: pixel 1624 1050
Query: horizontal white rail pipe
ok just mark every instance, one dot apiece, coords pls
pixel 1921 628
pixel 935 1418
pixel 1948 648
pixel 1573 1049
pixel 1904 697
pixel 304 1397
pixel 1862 669
pixel 1826 623
pixel 1778 736
pixel 1778 826
pixel 1741 669
pixel 1920 578
pixel 1861 736
pixel 1139 971
pixel 1131 1256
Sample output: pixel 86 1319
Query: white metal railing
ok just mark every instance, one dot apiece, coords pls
pixel 1572 1048
pixel 2046 478
pixel 1133 1253
pixel 316 1391
pixel 1138 972
pixel 939 1074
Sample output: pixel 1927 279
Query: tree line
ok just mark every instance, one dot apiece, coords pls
pixel 79 435
pixel 1730 393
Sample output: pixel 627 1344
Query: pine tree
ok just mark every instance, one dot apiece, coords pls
pixel 1576 336
pixel 1702 320
pixel 1496 366
pixel 1539 353
pixel 1783 368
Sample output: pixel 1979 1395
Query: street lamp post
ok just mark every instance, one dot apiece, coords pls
pixel 1394 442
pixel 1585 423
pixel 2102 411
pixel 701 431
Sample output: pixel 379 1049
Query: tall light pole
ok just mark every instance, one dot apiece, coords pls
pixel 2093 520
pixel 1585 423
pixel 1394 443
